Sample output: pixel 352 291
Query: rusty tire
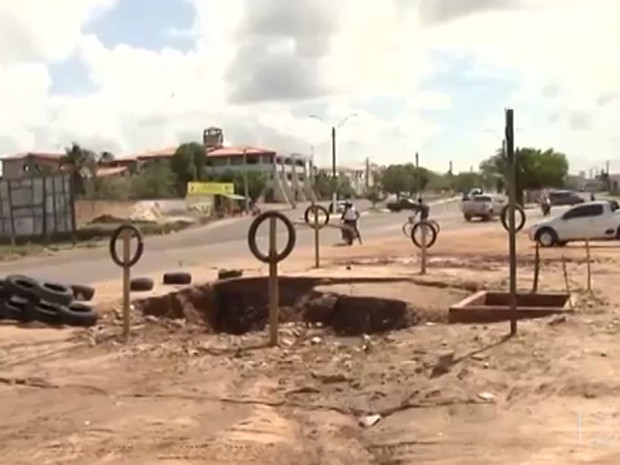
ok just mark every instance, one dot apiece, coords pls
pixel 290 245
pixel 114 239
pixel 309 215
pixel 518 224
pixel 433 234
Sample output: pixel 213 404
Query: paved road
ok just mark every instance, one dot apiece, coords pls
pixel 206 245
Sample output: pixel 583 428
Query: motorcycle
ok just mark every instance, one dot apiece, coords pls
pixel 349 232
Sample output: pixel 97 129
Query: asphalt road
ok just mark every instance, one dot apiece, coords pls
pixel 209 245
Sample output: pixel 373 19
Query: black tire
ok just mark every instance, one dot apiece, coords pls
pixel 78 314
pixel 18 309
pixel 139 249
pixel 178 278
pixel 141 285
pixel 24 287
pixel 47 313
pixel 542 233
pixel 433 233
pixel 229 274
pixel 519 223
pixel 309 215
pixel 83 293
pixel 253 230
pixel 54 293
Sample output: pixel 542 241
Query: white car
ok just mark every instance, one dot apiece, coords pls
pixel 598 220
pixel 485 207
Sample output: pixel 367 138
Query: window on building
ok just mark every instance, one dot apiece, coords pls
pixel 252 159
pixel 236 161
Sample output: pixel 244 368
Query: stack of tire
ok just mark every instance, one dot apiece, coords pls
pixel 24 300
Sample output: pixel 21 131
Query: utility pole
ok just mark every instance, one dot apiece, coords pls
pixel 417 175
pixel 334 174
pixel 246 189
pixel 512 235
pixel 607 178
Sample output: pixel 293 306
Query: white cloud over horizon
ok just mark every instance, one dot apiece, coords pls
pixel 258 69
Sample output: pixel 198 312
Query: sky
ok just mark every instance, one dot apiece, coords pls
pixel 426 76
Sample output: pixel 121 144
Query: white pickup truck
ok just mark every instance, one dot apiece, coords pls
pixel 598 220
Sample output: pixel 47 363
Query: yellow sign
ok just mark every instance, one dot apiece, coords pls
pixel 210 188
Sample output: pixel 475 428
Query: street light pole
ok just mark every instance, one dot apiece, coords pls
pixel 334 169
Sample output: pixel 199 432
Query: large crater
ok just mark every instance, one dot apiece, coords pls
pixel 350 306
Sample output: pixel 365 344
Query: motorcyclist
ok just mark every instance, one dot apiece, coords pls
pixel 350 216
pixel 423 209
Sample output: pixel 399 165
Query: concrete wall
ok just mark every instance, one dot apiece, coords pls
pixel 36 206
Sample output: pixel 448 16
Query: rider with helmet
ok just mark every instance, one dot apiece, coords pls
pixel 350 216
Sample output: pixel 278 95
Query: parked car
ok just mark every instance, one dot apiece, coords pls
pixel 598 220
pixel 401 204
pixel 485 207
pixel 565 198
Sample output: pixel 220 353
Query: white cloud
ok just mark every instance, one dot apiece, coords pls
pixel 147 99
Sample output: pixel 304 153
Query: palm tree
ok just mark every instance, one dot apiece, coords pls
pixel 82 164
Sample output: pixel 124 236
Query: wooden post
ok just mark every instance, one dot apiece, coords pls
pixel 126 238
pixel 566 283
pixel 536 268
pixel 588 267
pixel 316 239
pixel 512 235
pixel 423 250
pixel 273 284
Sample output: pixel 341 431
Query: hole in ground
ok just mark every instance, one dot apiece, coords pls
pixel 240 305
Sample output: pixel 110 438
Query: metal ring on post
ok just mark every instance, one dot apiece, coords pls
pixel 429 226
pixel 139 249
pixel 518 224
pixel 318 209
pixel 290 244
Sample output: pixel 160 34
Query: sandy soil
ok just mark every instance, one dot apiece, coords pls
pixel 444 394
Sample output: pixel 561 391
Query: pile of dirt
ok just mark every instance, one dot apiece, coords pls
pixel 238 306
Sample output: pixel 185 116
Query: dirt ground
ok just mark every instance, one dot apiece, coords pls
pixel 432 393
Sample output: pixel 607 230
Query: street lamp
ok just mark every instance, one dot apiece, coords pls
pixel 333 136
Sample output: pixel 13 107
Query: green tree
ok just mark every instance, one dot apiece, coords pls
pixel 373 196
pixel 466 180
pixel 157 181
pixel 397 179
pixel 345 189
pixel 322 185
pixel 188 164
pixel 536 169
pixel 82 164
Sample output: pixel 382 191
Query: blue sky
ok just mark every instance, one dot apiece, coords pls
pixel 165 24
pixel 151 26
pixel 468 67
